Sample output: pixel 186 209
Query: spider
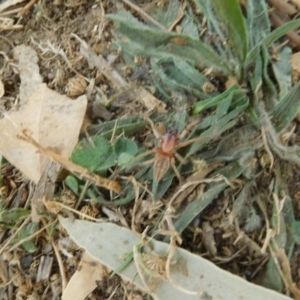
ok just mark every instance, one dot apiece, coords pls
pixel 166 153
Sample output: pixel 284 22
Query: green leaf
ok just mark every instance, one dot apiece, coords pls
pixel 225 119
pixel 280 31
pixel 215 28
pixel 258 23
pixel 14 215
pixel 213 101
pixel 272 279
pixel 124 145
pixel 28 230
pixel 95 154
pixel 128 126
pixel 125 150
pixel 285 111
pixel 196 277
pixel 270 39
pixel 283 71
pixel 72 184
pixel 166 16
pixel 156 43
pixel 231 15
pixel 249 141
pixel 296 231
pixel 194 208
pixel 179 75
pixel 189 24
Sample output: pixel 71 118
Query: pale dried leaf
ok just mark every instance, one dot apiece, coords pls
pixel 3 271
pixel 8 3
pixel 45 268
pixel 295 62
pixel 109 244
pixel 52 119
pixel 29 71
pixel 151 102
pixel 84 281
pixel 208 238
pixel 1 89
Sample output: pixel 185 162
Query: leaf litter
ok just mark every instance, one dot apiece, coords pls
pixel 235 208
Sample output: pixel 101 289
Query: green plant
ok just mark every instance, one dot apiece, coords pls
pixel 243 123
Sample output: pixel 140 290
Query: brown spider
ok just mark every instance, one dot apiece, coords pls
pixel 165 154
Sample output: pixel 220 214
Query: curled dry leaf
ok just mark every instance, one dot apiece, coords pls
pixel 76 86
pixel 208 238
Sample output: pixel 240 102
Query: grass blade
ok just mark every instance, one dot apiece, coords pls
pixel 286 110
pixel 231 15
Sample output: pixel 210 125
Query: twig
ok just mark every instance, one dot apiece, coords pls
pixel 145 15
pixel 76 211
pixel 263 134
pixel 26 8
pixel 28 238
pixel 73 168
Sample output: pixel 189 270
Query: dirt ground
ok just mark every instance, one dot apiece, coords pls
pixel 52 28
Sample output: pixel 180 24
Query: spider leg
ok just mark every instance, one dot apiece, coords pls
pixel 156 133
pixel 187 129
pixel 143 155
pixel 172 163
pixel 147 162
pixel 180 158
pixel 186 143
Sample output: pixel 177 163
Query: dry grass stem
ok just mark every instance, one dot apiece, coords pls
pixel 144 15
pixel 8 241
pixel 61 266
pixel 28 238
pixel 77 170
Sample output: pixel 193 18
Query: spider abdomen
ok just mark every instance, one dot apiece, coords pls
pixel 161 165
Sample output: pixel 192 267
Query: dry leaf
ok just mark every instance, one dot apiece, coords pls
pixel 84 281
pixel 28 71
pixel 209 239
pixel 8 3
pixel 1 89
pixel 151 102
pixel 230 82
pixel 52 119
pixel 295 62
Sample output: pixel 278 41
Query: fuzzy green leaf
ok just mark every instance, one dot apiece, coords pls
pixel 194 208
pixel 156 43
pixel 296 231
pixel 258 23
pixel 14 215
pixel 72 183
pixel 270 39
pixel 286 110
pixel 231 15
